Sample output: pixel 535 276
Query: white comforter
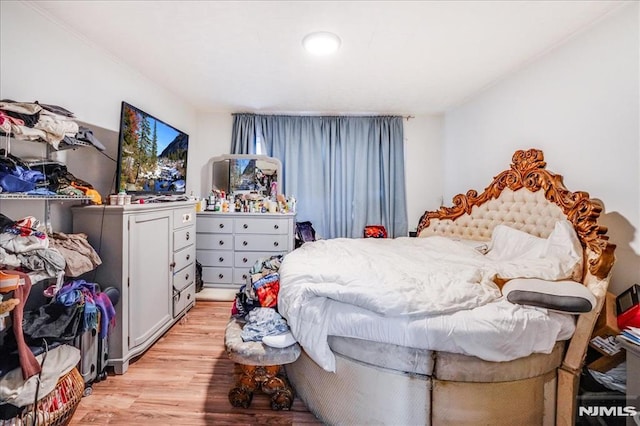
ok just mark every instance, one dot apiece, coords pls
pixel 399 281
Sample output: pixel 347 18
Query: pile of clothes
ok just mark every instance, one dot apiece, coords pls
pixel 25 245
pixel 51 124
pixel 256 304
pixel 77 307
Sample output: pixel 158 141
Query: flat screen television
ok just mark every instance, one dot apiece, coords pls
pixel 152 155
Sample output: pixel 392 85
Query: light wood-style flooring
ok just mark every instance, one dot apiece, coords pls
pixel 183 379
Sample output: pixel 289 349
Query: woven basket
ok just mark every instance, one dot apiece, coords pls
pixel 57 407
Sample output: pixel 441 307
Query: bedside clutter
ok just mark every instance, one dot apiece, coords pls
pixel 628 307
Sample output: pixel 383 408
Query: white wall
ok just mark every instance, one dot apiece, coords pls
pixel 423 165
pixel 214 136
pixel 41 60
pixel 579 104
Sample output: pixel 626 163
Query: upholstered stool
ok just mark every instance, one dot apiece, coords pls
pixel 261 367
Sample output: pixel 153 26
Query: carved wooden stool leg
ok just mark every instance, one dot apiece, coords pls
pixel 267 378
pixel 242 394
pixel 279 388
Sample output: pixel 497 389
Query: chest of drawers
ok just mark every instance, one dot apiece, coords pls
pixel 228 244
pixel 147 253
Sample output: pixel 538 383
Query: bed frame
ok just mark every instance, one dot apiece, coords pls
pixel 539 389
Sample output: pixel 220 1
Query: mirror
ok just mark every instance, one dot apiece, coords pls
pixel 245 173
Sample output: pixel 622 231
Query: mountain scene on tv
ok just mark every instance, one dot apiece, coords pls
pixel 153 156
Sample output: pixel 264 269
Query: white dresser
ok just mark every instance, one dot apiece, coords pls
pixel 148 253
pixel 228 244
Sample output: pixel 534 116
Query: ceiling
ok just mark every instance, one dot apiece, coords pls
pixel 397 57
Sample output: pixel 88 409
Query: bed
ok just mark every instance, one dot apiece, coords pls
pixel 484 318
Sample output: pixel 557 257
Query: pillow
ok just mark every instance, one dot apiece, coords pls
pixel 562 296
pixel 562 247
pixel 564 243
pixel 508 243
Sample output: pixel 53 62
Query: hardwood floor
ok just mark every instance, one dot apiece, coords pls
pixel 183 380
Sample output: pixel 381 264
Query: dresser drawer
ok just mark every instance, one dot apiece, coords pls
pixel 183 237
pixel 217 275
pixel 215 241
pixel 215 257
pixel 266 225
pixel 240 275
pixel 261 242
pixel 184 299
pixel 184 277
pixel 247 259
pixel 184 257
pixel 184 217
pixel 223 225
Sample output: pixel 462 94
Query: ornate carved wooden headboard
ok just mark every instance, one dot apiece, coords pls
pixel 530 198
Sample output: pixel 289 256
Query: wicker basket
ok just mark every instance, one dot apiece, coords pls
pixel 57 407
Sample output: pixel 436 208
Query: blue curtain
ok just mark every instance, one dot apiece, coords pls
pixel 345 172
pixel 243 134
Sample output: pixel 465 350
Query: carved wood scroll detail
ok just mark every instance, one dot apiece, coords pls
pixel 528 171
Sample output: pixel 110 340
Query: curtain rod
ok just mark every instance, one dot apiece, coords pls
pixel 406 117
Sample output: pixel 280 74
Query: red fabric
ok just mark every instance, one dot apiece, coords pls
pixel 267 289
pixel 629 318
pixel 375 231
pixel 28 362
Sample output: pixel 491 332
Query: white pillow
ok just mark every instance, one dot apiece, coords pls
pixel 562 296
pixel 508 243
pixel 562 247
pixel 564 243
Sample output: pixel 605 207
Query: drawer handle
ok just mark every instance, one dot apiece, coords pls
pixel 188 256
pixel 221 276
pixel 244 276
pixel 221 242
pixel 172 265
pixel 245 260
pixel 188 236
pixel 276 226
pixel 221 259
pixel 245 226
pixel 188 296
pixel 186 278
pixel 244 243
pixel 221 225
pixel 276 244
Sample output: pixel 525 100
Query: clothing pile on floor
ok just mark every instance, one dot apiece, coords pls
pixel 256 304
pixel 41 351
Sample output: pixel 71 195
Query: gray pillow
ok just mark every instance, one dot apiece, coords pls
pixel 562 296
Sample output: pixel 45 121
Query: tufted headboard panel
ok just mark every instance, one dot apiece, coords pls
pixel 522 209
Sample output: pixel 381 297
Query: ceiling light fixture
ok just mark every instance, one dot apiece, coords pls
pixel 321 43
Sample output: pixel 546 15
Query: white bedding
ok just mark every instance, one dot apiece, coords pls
pixel 428 293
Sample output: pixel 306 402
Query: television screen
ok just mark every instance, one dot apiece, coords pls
pixel 152 155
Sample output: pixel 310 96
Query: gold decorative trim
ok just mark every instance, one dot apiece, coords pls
pixel 528 171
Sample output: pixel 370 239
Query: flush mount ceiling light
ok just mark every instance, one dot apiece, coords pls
pixel 321 43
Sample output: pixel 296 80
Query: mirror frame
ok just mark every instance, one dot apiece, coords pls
pixel 226 157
